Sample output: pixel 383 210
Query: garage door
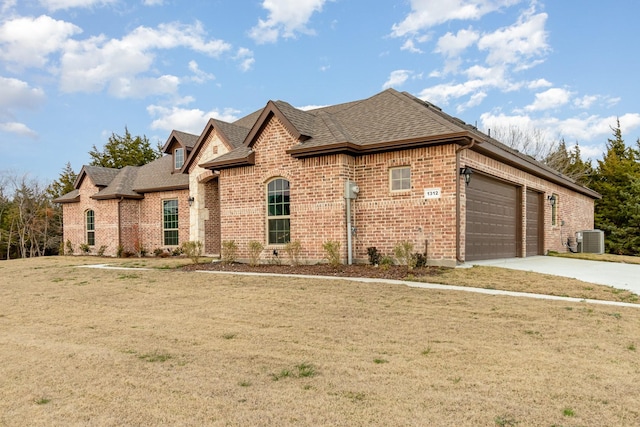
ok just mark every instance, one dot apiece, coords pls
pixel 534 221
pixel 492 213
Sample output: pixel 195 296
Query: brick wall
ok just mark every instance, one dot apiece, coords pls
pixel 151 218
pixel 317 196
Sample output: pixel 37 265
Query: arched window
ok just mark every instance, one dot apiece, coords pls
pixel 90 227
pixel 278 220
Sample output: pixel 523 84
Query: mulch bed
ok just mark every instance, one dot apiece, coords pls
pixel 396 272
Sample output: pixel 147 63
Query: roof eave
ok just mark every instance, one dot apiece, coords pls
pixel 249 160
pixel 117 196
pixel 462 138
pixel 160 189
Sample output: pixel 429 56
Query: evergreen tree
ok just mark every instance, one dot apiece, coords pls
pixel 64 183
pixel 569 163
pixel 123 151
pixel 617 180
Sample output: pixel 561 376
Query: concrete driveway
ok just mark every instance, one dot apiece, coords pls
pixel 622 276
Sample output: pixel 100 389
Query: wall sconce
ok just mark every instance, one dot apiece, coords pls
pixel 466 172
pixel 552 200
pixel 191 200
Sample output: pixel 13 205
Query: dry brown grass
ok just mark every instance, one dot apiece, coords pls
pixel 627 259
pixel 126 347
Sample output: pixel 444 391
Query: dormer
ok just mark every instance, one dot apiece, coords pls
pixel 179 146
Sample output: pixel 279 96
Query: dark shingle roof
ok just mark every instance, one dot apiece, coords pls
pixel 121 185
pixel 159 176
pixel 70 197
pixel 187 139
pixel 100 176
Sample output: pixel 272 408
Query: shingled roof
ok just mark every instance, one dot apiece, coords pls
pixel 389 120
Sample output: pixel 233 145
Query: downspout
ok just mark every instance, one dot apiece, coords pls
pixel 458 204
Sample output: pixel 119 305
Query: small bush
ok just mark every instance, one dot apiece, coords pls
pixel 419 260
pixel 332 252
pixel 293 250
pixel 385 262
pixel 229 251
pixel 69 248
pixel 176 251
pixel 255 249
pixel 402 252
pixel 120 251
pixel 85 248
pixel 374 255
pixel 192 249
pixel 158 252
pixel 102 250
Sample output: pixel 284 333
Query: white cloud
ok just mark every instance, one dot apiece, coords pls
pixel 310 107
pixel 28 42
pixel 397 78
pixel 246 59
pixel 94 63
pixel 286 18
pixel 15 93
pixel 199 76
pixel 54 5
pixel 516 44
pixel 453 44
pixel 153 2
pixel 539 83
pixel 410 46
pixel 428 13
pixel 585 129
pixel 124 87
pixel 440 94
pixel 187 120
pixel 19 129
pixel 549 99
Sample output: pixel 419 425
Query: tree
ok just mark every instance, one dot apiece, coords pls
pixel 617 179
pixel 536 144
pixel 64 183
pixel 123 151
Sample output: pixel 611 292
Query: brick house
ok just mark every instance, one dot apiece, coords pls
pixel 374 172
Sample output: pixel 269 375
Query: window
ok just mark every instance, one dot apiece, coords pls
pixel 400 178
pixel 554 209
pixel 170 222
pixel 90 226
pixel 278 231
pixel 178 158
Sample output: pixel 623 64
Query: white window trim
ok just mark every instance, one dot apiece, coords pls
pixel 391 180
pixel 175 158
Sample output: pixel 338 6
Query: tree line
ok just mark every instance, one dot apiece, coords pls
pixel 31 223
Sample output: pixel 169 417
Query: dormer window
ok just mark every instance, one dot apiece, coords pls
pixel 178 158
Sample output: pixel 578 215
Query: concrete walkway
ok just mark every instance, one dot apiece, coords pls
pixel 618 275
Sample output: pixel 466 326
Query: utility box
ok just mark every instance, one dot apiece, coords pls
pixel 592 241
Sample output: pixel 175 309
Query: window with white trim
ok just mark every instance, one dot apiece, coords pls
pixel 170 222
pixel 278 212
pixel 90 227
pixel 178 158
pixel 400 178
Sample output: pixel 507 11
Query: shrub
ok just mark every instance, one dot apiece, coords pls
pixel 374 255
pixel 102 250
pixel 255 249
pixel 192 249
pixel 385 262
pixel 158 252
pixel 419 260
pixel 176 251
pixel 69 246
pixel 293 250
pixel 85 248
pixel 332 252
pixel 120 251
pixel 229 251
pixel 403 251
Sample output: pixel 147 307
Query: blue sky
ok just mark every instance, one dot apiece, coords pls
pixel 72 72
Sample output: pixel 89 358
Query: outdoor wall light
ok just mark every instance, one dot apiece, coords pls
pixel 191 200
pixel 466 172
pixel 552 199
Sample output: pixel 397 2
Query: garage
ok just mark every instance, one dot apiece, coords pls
pixel 534 223
pixel 492 213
